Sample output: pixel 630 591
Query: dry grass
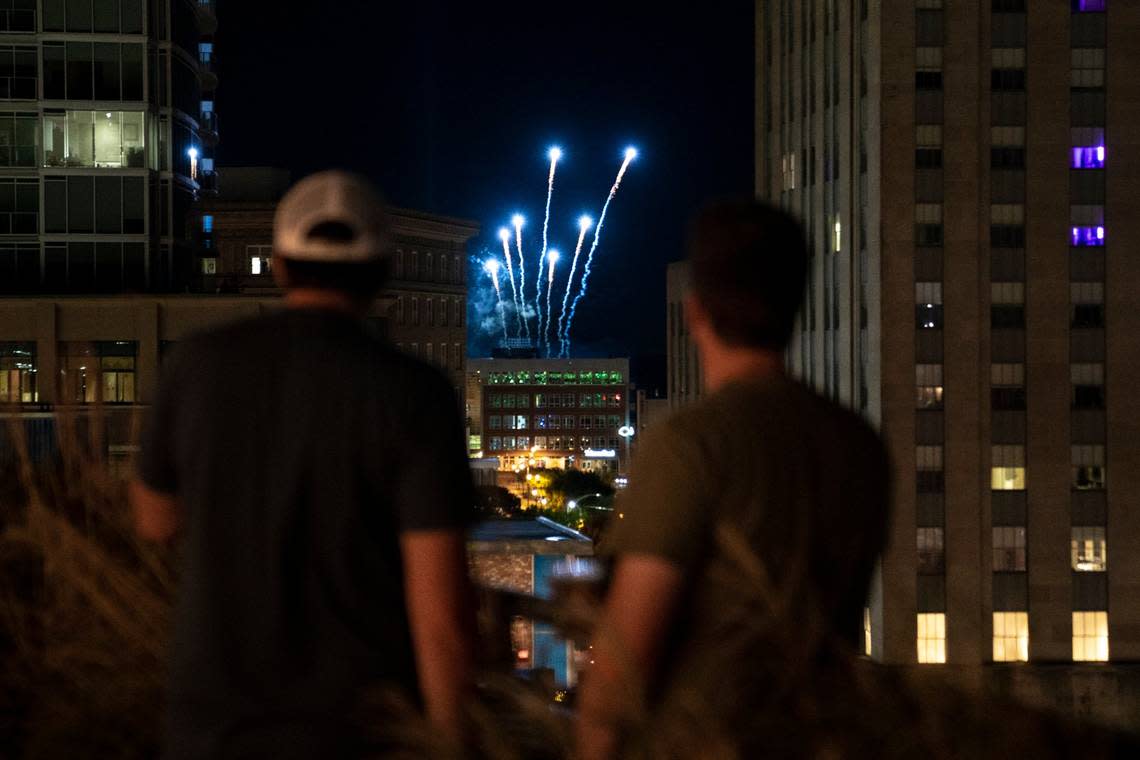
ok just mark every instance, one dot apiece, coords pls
pixel 85 611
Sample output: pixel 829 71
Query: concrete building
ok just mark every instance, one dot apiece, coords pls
pixel 106 134
pixel 426 296
pixel 552 412
pixel 968 173
pixel 685 380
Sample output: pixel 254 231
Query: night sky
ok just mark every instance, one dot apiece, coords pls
pixel 451 106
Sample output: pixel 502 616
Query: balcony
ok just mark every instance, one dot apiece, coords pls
pixel 208 181
pixel 207 16
pixel 208 127
pixel 207 60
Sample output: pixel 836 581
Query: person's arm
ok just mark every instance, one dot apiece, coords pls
pixel 442 622
pixel 627 644
pixel 155 513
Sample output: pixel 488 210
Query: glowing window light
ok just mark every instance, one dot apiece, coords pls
pixel 1088 157
pixel 1083 237
pixel 1089 6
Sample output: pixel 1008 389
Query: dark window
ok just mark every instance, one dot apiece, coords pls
pixel 79 71
pixel 134 266
pixel 106 67
pixel 17 73
pixel 1088 315
pixel 55 71
pixel 1088 397
pixel 55 204
pixel 17 15
pixel 55 265
pixel 1007 315
pixel 133 218
pixel 930 481
pixel 106 16
pixel 1087 30
pixel 53 18
pixel 1007 158
pixel 108 205
pixel 928 158
pixel 928 316
pixel 1087 107
pixel 132 15
pixel 1007 108
pixel 928 80
pixel 928 235
pixel 80 204
pixel 132 72
pixel 108 267
pixel 18 139
pixel 1007 236
pixel 79 16
pixel 1007 79
pixel 1086 187
pixel 1008 6
pixel 929 29
pixel 81 265
pixel 1007 399
pixel 1007 30
pixel 19 206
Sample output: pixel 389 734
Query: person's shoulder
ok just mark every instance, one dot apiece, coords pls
pixel 226 336
pixel 847 427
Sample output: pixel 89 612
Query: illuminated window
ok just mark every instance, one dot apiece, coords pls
pixel 1007 471
pixel 1089 6
pixel 18 373
pixel 1083 237
pixel 1088 468
pixel 207 223
pixel 928 383
pixel 1011 637
pixel 932 637
pixel 1089 549
pixel 102 139
pixel 1090 636
pixel 209 265
pixel 98 372
pixel 928 305
pixel 260 258
pixel 867 631
pixel 1009 549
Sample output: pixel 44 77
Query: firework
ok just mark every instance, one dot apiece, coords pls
pixel 492 268
pixel 552 259
pixel 584 223
pixel 518 221
pixel 630 154
pixel 555 154
pixel 505 236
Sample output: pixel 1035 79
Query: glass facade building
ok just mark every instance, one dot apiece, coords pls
pixel 107 131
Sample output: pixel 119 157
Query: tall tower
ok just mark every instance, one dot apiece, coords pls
pixel 105 142
pixel 968 172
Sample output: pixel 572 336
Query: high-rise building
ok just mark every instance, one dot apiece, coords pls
pixel 969 175
pixel 106 133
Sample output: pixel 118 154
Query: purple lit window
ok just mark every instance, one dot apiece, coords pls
pixel 1089 6
pixel 1087 236
pixel 1088 157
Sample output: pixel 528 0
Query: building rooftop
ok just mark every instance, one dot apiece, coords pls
pixel 538 536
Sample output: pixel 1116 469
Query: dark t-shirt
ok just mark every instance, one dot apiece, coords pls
pixel 299 447
pixel 773 501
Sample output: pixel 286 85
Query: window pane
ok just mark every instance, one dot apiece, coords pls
pixel 133 146
pixel 107 16
pixel 53 17
pixel 108 205
pixel 80 204
pixel 132 72
pixel 55 204
pixel 108 139
pixel 55 70
pixel 106 67
pixel 80 138
pixel 1011 636
pixel 108 267
pixel 79 71
pixel 80 265
pixel 132 17
pixel 79 15
pixel 133 221
pixel 1090 636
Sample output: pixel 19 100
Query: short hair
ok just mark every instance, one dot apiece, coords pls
pixel 749 267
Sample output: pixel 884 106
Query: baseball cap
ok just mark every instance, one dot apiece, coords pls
pixel 331 201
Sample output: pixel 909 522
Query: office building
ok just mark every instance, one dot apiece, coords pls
pixel 426 296
pixel 555 413
pixel 106 136
pixel 969 174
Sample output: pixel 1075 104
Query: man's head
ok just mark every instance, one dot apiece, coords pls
pixel 749 263
pixel 331 233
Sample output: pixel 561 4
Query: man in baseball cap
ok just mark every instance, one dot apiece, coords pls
pixel 317 482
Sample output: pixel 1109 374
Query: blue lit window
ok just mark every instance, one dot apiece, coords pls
pixel 1087 236
pixel 207 223
pixel 1088 157
pixel 1089 6
pixel 205 51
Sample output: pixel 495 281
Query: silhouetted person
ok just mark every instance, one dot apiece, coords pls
pixel 745 542
pixel 318 483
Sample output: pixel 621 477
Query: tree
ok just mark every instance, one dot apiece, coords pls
pixel 496 502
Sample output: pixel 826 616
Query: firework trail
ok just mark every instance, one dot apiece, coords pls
pixel 518 221
pixel 551 257
pixel 630 154
pixel 492 268
pixel 555 155
pixel 505 236
pixel 584 223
